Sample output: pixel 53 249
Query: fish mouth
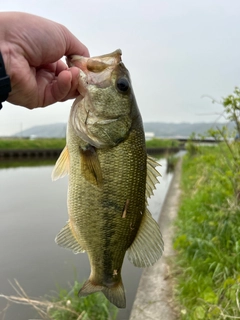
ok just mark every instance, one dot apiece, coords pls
pixel 95 64
pixel 95 70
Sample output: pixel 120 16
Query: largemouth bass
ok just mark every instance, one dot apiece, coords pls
pixel 110 177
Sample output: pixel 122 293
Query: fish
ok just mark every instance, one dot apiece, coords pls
pixel 111 177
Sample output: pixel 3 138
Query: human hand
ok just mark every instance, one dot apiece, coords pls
pixel 32 47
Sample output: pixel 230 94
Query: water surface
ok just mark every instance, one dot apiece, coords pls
pixel 33 210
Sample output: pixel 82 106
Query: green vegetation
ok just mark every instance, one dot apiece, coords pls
pixel 68 306
pixel 208 238
pixel 60 143
pixel 208 226
pixel 231 106
pixel 32 144
pixel 162 143
pixel 172 161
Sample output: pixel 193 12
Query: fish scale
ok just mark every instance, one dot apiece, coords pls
pixel 110 177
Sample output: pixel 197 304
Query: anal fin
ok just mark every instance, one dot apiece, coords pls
pixel 66 239
pixel 147 247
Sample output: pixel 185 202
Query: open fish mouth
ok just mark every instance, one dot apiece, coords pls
pixel 95 64
pixel 94 70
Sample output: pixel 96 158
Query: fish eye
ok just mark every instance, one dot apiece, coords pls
pixel 123 84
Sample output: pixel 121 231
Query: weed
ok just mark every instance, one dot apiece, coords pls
pixel 66 305
pixel 162 143
pixel 207 239
pixel 25 144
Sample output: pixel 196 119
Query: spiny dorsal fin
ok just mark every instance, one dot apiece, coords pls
pixel 62 165
pixel 90 158
pixel 66 239
pixel 147 247
pixel 152 175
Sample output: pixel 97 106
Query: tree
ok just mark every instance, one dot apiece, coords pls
pixel 232 108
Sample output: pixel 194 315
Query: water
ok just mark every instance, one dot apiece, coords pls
pixel 33 210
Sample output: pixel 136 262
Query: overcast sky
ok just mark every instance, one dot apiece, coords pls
pixel 176 52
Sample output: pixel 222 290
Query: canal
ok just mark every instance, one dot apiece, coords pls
pixel 33 210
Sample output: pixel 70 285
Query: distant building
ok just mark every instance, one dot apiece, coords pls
pixel 149 135
pixel 33 137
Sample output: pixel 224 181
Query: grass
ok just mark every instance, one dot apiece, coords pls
pixel 208 237
pixel 162 143
pixel 25 144
pixel 94 306
pixel 19 143
pixel 65 305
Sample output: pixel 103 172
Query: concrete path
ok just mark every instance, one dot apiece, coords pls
pixel 154 298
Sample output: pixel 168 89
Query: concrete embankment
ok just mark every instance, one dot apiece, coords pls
pixel 29 154
pixel 154 298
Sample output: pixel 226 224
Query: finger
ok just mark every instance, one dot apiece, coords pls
pixel 58 89
pixel 54 68
pixel 73 45
pixel 75 83
pixel 64 87
pixel 73 92
pixel 60 66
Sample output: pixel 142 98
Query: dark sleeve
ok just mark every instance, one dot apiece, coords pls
pixel 5 84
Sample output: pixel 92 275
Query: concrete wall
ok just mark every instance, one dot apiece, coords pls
pixel 154 299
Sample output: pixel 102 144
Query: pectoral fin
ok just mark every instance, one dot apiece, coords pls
pixel 90 158
pixel 62 165
pixel 66 239
pixel 147 247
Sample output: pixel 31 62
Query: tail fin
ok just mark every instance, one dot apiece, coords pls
pixel 89 288
pixel 115 294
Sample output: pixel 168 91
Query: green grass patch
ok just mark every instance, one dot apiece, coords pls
pixel 25 144
pixel 162 143
pixel 64 305
pixel 69 306
pixel 19 143
pixel 208 237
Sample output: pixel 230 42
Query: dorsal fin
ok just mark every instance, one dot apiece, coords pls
pixel 66 239
pixel 147 247
pixel 152 175
pixel 62 165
